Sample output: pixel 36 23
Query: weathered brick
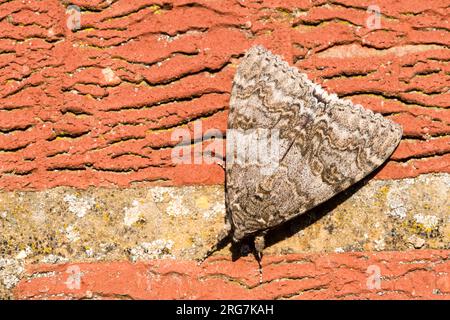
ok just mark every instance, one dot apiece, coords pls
pixel 331 276
pixel 97 106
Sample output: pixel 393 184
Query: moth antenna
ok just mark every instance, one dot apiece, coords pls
pixel 221 163
pixel 220 242
pixel 260 270
pixel 260 244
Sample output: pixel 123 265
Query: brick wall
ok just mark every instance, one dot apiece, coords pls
pixel 91 106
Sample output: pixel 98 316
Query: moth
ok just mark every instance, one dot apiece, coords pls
pixel 325 145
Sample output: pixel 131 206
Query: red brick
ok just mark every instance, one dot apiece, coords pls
pixel 306 276
pixel 63 123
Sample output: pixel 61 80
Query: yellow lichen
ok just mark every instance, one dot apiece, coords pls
pixel 202 202
pixel 419 228
pixel 106 217
pixel 47 250
pixel 156 9
pixel 285 13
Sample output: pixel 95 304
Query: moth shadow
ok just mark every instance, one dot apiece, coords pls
pixel 301 222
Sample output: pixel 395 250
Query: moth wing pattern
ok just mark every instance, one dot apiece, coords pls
pixel 326 144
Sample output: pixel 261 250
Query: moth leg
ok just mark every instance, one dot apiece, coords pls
pixel 260 244
pixel 221 164
pixel 223 234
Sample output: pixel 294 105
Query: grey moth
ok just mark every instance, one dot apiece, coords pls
pixel 324 145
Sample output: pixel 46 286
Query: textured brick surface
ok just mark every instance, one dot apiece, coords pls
pixel 415 275
pixel 98 224
pixel 97 106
